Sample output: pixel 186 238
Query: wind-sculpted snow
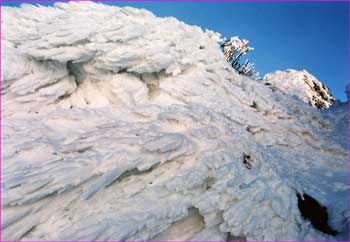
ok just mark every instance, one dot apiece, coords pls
pixel 118 125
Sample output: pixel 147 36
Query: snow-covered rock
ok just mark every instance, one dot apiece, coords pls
pixel 120 125
pixel 303 85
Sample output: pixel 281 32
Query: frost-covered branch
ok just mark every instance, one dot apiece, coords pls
pixel 234 48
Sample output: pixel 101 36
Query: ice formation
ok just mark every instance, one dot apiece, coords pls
pixel 303 85
pixel 119 125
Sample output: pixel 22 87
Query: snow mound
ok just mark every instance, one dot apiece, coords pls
pixel 73 53
pixel 118 125
pixel 303 85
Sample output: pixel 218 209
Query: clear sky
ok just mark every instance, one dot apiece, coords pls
pixel 303 35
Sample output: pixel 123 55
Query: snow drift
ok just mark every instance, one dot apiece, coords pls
pixel 121 125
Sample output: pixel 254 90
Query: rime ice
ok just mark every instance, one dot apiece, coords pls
pixel 118 125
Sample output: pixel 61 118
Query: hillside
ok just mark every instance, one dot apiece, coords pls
pixel 119 125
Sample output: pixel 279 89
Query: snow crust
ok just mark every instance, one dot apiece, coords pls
pixel 303 85
pixel 121 125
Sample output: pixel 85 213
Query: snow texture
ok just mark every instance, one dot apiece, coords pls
pixel 121 125
pixel 303 85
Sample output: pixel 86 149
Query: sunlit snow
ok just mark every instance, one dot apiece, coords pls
pixel 119 125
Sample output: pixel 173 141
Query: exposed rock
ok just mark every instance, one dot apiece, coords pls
pixel 303 85
pixel 315 212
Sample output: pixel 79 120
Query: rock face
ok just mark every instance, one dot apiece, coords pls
pixel 118 125
pixel 303 85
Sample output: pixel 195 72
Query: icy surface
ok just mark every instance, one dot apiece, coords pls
pixel 121 125
pixel 303 85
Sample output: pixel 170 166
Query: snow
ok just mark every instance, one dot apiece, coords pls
pixel 303 85
pixel 137 127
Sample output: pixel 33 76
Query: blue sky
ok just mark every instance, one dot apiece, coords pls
pixel 303 35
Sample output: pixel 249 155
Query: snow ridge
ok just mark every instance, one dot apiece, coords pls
pixel 136 127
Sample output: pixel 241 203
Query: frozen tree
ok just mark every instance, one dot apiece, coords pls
pixel 234 48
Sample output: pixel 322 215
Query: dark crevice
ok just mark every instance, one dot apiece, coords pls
pixel 247 161
pixel 152 83
pixel 64 96
pixel 255 105
pixel 209 182
pixel 110 178
pixel 231 237
pixel 77 71
pixel 133 172
pixel 46 85
pixel 84 149
pixel 74 44
pixel 77 150
pixel 28 231
pixel 254 129
pixel 317 214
